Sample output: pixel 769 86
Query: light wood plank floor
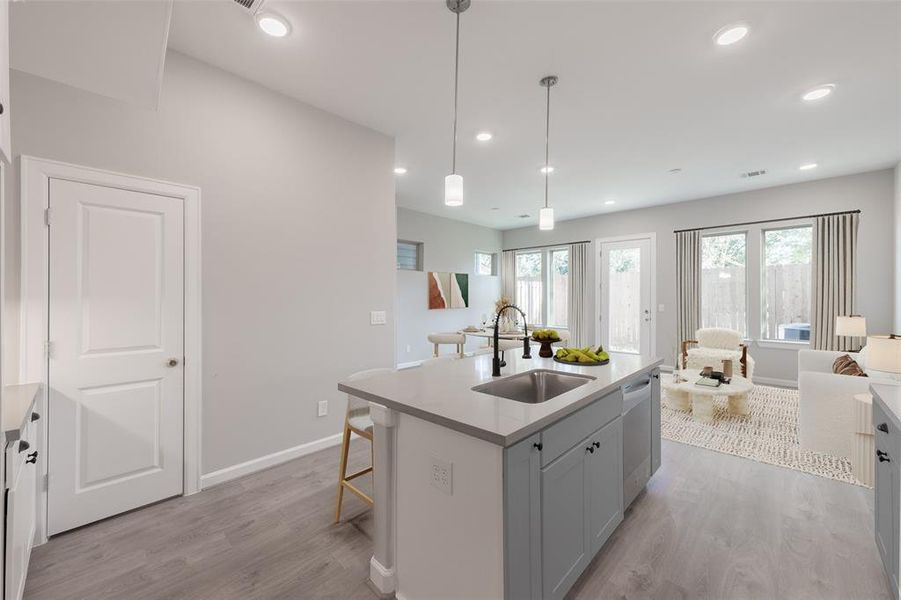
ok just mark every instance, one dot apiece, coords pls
pixel 710 526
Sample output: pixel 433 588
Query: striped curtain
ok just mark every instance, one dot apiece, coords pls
pixel 688 285
pixel 508 275
pixel 578 295
pixel 834 280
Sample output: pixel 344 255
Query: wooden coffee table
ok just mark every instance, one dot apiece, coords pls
pixel 688 396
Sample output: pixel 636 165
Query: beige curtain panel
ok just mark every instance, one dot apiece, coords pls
pixel 577 311
pixel 688 285
pixel 834 280
pixel 508 275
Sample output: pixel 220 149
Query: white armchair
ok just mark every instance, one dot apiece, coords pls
pixel 713 346
pixel 826 420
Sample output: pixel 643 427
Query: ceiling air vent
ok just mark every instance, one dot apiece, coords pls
pixel 251 6
pixel 756 173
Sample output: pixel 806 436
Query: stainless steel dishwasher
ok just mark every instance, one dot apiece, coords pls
pixel 638 430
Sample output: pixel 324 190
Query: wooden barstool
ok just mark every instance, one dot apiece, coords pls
pixel 358 421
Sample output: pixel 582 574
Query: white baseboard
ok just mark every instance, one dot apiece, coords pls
pixel 786 383
pixel 270 460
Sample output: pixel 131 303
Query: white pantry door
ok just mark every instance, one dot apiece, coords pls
pixel 625 293
pixel 116 351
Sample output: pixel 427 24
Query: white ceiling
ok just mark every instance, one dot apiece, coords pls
pixel 643 89
pixel 116 49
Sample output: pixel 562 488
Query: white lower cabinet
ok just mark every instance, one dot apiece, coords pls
pixel 21 511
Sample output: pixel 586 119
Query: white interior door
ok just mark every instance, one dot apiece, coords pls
pixel 625 296
pixel 116 351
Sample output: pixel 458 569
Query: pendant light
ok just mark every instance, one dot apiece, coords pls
pixel 453 183
pixel 546 214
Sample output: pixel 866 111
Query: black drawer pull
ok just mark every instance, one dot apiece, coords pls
pixel 538 446
pixel 23 445
pixel 35 416
pixel 32 458
pixel 590 449
pixel 596 444
pixel 883 427
pixel 884 458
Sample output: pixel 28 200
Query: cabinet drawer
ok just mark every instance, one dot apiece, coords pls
pixel 566 433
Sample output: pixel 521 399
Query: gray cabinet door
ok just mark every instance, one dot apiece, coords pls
pixel 886 506
pixel 604 470
pixel 565 548
pixel 655 421
pixel 522 521
pixel 887 502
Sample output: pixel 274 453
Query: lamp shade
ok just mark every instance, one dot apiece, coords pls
pixel 853 325
pixel 884 353
pixel 453 190
pixel 546 219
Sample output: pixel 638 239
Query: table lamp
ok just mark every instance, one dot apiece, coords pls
pixel 884 353
pixel 851 326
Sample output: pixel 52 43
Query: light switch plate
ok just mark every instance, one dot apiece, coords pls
pixel 377 317
pixel 323 408
pixel 442 475
pixel 659 308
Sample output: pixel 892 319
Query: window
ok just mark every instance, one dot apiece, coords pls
pixel 542 286
pixel 724 297
pixel 409 255
pixel 486 264
pixel 785 285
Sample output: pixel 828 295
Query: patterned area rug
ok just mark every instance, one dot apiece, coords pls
pixel 768 435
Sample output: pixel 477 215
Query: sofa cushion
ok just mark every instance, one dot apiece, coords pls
pixel 845 365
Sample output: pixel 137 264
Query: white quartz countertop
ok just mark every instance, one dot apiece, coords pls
pixel 890 395
pixel 18 404
pixel 441 393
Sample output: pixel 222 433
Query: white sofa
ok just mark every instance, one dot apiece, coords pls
pixel 826 403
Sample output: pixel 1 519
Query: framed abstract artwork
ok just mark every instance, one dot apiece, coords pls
pixel 448 290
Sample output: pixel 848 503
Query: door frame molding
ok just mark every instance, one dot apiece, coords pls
pixel 652 238
pixel 35 175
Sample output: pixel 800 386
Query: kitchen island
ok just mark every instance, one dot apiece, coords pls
pixel 507 490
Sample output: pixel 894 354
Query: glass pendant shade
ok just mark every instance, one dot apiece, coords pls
pixel 453 190
pixel 546 219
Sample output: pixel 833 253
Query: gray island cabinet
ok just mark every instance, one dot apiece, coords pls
pixel 887 505
pixel 480 496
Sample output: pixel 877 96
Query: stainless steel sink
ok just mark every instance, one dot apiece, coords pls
pixel 533 387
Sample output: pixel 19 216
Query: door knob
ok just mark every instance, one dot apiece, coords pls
pixel 173 362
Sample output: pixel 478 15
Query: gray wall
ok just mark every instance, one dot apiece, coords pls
pixel 897 253
pixel 298 237
pixel 448 246
pixel 873 193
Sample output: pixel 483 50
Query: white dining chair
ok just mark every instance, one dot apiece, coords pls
pixel 437 339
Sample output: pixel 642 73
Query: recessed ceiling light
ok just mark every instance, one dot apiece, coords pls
pixel 483 136
pixel 818 93
pixel 547 169
pixel 808 166
pixel 400 170
pixel 731 34
pixel 609 202
pixel 273 25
